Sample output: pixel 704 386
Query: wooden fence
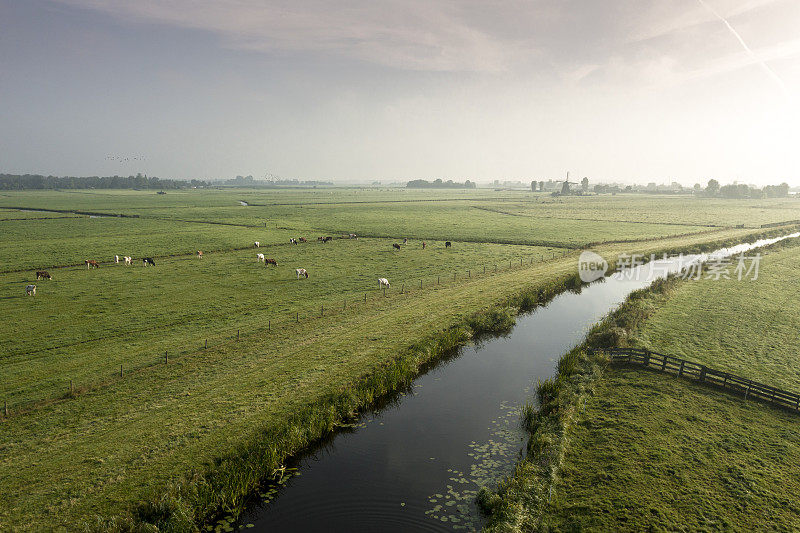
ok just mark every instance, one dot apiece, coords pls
pixel 776 224
pixel 742 387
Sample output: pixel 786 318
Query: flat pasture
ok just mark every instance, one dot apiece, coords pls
pixel 119 438
pixel 654 451
pixel 84 324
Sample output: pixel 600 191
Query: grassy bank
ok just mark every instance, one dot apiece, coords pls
pixel 567 480
pixel 658 453
pixel 174 443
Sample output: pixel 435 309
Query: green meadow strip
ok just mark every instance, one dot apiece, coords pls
pixel 520 499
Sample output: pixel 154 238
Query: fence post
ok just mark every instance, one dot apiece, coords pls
pixel 647 358
pixel 702 376
pixel 166 359
pixel 680 370
pixel 206 343
pixel 297 316
pixel 71 387
pixel 269 325
pixel 748 388
pixel 322 310
pixel 237 335
pixel 403 288
pixel 365 297
pixel 5 407
pixel 437 279
pixel 121 373
pixel 664 364
pixel 469 274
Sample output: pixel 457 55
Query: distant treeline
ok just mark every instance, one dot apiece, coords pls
pixel 250 181
pixel 744 191
pixel 36 181
pixel 439 184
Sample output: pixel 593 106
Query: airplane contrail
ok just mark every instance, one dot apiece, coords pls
pixel 771 73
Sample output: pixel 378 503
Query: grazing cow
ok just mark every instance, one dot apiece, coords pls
pixel 30 290
pixel 43 274
pixel 383 282
pixel 405 241
pixel 292 241
pixel 321 239
pixel 116 259
pixel 447 244
pixel 269 261
pixel 302 239
pixel 424 244
pixel 257 244
pixel 326 239
pixel 148 261
pixel 259 257
pixel 199 254
pixel 91 263
pixel 353 236
pixel 128 260
pixel 301 272
pixel 396 246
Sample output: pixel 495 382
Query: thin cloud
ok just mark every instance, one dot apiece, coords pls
pixel 409 34
pixel 771 73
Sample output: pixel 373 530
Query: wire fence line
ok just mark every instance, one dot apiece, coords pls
pixel 108 376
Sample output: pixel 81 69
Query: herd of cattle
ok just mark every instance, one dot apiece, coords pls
pixel 30 290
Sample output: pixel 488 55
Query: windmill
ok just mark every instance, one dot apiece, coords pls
pixel 565 190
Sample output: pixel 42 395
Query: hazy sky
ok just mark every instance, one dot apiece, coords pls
pixel 629 90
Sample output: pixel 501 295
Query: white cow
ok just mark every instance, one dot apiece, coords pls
pixel 257 244
pixel 260 258
pixel 128 260
pixel 301 272
pixel 383 282
pixel 30 290
pixel 116 259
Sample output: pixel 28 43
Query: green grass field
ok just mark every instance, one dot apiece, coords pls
pixel 656 452
pixel 65 459
pixel 661 454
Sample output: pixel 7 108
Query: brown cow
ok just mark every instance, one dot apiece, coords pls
pixel 302 239
pixel 396 246
pixel 91 263
pixel 269 261
pixel 43 274
pixel 200 254
pixel 424 244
